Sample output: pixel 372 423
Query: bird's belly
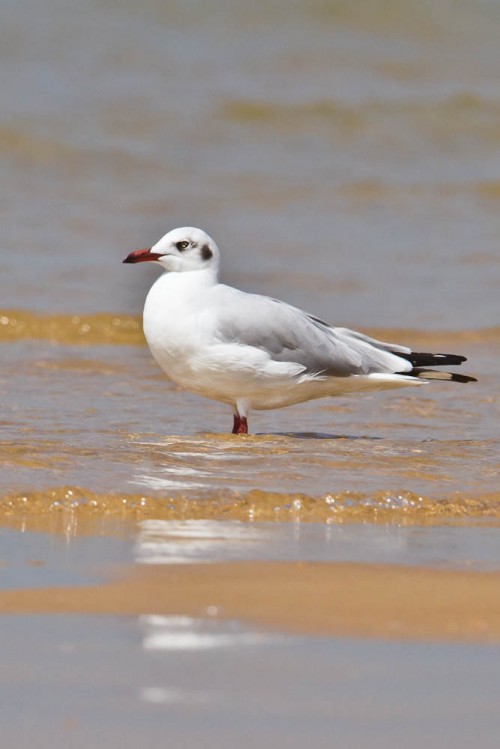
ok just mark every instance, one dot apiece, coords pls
pixel 175 358
pixel 196 373
pixel 205 371
pixel 180 356
pixel 234 372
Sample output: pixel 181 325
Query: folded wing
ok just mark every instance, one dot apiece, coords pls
pixel 287 334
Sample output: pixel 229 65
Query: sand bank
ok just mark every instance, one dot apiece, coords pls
pixel 355 600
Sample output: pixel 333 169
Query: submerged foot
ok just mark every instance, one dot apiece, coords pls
pixel 240 424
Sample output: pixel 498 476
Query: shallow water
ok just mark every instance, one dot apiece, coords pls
pixel 228 685
pixel 212 680
pixel 356 176
pixel 345 158
pixel 100 420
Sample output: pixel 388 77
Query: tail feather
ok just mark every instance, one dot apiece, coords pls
pixel 432 374
pixel 420 361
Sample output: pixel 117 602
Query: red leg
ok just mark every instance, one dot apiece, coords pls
pixel 236 424
pixel 243 426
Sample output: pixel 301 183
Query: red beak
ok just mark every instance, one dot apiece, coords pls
pixel 141 256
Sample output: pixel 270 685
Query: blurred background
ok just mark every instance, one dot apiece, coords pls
pixel 344 155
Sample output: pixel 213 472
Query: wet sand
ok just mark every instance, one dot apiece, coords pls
pixel 337 600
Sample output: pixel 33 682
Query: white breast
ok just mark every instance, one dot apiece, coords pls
pixel 174 321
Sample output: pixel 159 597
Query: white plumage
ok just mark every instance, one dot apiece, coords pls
pixel 251 351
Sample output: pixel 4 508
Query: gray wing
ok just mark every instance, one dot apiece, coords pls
pixel 288 334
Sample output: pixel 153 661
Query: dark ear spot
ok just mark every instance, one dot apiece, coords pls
pixel 206 252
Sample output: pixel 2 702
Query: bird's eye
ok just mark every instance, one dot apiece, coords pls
pixel 182 245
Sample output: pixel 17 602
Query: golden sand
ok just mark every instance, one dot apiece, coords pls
pixel 345 599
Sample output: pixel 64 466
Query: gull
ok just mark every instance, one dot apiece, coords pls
pixel 255 352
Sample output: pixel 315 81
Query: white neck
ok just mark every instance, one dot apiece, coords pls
pixel 172 290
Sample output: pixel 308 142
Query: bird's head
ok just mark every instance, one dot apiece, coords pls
pixel 183 249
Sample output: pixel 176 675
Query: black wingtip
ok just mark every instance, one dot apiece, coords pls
pixel 423 359
pixel 462 378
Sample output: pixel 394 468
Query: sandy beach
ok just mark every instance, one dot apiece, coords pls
pixel 350 600
pixel 331 579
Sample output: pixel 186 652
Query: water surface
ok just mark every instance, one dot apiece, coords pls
pixel 345 158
